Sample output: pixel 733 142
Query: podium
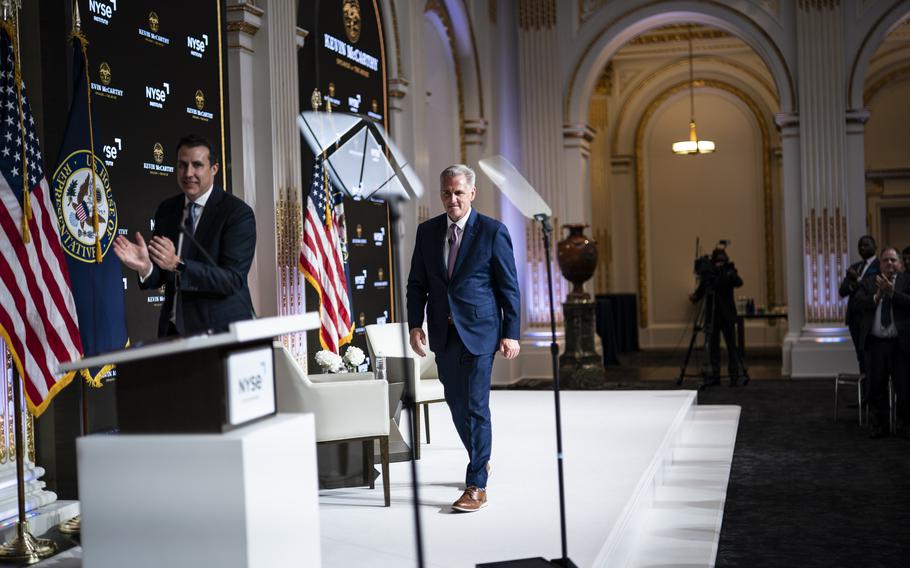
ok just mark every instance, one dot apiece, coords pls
pixel 198 475
pixel 199 384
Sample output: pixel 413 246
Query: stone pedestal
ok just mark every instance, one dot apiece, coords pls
pixel 580 366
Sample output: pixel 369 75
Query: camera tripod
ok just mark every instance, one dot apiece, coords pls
pixel 704 322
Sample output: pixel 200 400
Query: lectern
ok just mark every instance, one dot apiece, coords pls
pixel 198 474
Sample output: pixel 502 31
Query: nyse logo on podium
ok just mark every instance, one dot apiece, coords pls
pixel 251 384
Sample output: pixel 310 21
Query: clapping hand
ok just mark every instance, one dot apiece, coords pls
pixel 133 255
pixel 885 286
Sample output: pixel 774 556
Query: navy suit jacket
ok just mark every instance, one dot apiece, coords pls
pixel 211 296
pixel 849 288
pixel 482 297
pixel 900 301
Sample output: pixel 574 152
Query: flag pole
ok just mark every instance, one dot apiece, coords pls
pixel 24 547
pixel 73 526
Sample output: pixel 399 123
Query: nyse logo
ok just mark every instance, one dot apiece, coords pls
pixel 197 46
pixel 384 318
pixel 251 384
pixel 111 151
pixel 157 97
pixel 360 280
pixel 379 237
pixel 354 103
pixel 101 11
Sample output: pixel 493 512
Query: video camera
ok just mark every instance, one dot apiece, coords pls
pixel 704 267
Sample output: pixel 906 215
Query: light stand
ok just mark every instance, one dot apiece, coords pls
pixel 546 229
pixel 408 398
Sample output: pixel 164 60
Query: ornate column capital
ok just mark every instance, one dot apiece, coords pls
pixel 474 131
pixel 578 136
pixel 856 120
pixel 244 19
pixel 787 123
pixel 621 164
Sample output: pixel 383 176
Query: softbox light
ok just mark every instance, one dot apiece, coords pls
pixel 360 158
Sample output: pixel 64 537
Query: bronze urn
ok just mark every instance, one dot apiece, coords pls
pixel 577 256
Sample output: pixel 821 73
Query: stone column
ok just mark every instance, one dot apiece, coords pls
pixel 266 148
pixel 244 19
pixel 542 154
pixel 856 177
pixel 824 346
pixel 793 233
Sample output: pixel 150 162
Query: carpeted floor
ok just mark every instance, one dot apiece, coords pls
pixel 804 491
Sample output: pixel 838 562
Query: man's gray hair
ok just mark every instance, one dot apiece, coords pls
pixel 455 171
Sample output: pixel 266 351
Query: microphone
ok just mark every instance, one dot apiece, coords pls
pixel 248 304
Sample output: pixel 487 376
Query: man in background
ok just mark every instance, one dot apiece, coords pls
pixel 205 287
pixel 715 285
pixel 463 273
pixel 868 266
pixel 884 303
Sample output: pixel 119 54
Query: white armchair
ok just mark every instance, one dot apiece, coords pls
pixel 390 340
pixel 348 407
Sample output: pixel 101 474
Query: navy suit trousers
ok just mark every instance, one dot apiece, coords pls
pixel 466 380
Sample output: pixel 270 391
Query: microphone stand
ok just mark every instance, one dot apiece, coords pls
pixel 546 229
pixel 408 400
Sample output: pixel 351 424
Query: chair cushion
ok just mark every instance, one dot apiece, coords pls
pixel 429 390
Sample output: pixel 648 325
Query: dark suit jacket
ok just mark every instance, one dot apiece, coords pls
pixel 849 287
pixel 865 300
pixel 722 282
pixel 211 296
pixel 482 296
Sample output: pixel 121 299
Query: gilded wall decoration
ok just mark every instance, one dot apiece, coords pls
pixel 825 235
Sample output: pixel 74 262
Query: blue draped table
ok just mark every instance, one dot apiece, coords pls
pixel 617 324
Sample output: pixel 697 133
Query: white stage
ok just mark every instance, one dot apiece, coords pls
pixel 621 449
pixel 646 480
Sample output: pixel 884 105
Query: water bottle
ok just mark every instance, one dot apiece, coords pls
pixel 379 368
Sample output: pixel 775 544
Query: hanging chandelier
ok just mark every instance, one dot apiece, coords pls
pixel 693 145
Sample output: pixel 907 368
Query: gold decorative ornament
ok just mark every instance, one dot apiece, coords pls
pixel 693 145
pixel 154 22
pixel 104 73
pixel 158 153
pixel 200 99
pixel 350 13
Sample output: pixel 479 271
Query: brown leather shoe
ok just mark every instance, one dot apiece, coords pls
pixel 472 500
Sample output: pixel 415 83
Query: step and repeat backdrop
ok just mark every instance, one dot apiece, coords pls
pixel 155 76
pixel 344 60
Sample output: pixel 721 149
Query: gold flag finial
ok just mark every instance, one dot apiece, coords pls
pixel 8 9
pixel 77 19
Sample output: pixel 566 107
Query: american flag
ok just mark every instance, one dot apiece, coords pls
pixel 37 311
pixel 322 265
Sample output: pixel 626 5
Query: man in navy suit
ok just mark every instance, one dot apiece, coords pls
pixel 199 295
pixel 883 306
pixel 868 266
pixel 463 274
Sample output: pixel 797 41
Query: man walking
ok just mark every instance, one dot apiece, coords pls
pixel 463 274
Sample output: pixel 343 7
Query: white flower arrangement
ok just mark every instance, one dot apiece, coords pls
pixel 331 362
pixel 353 358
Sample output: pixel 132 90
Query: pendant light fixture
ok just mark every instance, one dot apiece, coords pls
pixel 693 145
